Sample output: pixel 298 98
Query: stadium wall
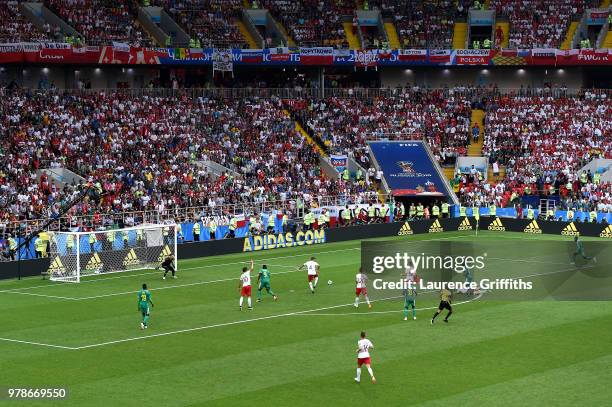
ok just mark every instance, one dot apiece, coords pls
pixel 503 77
pixel 315 238
pixel 111 77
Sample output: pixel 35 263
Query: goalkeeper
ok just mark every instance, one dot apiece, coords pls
pixel 168 265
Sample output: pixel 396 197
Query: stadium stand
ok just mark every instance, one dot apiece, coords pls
pixel 313 22
pixel 539 23
pixel 101 21
pixel 421 23
pixel 344 124
pixel 544 141
pixel 143 152
pixel 208 23
pixel 14 27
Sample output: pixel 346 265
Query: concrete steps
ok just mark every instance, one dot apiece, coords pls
pixel 307 137
pixel 351 37
pixel 247 35
pixel 607 43
pixel 394 42
pixel 449 172
pixel 569 35
pixel 505 27
pixel 459 35
pixel 475 149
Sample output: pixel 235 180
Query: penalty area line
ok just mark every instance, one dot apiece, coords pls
pixel 318 314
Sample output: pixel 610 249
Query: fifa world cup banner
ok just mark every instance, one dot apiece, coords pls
pixel 317 56
pixel 473 56
pixel 340 162
pixel 594 57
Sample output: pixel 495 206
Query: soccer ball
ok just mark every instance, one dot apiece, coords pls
pixel 329 282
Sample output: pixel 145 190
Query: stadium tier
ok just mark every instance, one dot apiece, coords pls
pixel 313 22
pixel 378 24
pixel 101 21
pixel 146 152
pixel 208 23
pixel 540 23
pixel 15 27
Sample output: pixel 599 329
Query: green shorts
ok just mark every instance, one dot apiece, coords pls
pixel 264 284
pixel 408 302
pixel 144 309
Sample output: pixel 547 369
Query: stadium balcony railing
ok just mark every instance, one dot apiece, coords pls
pixel 297 209
pixel 314 93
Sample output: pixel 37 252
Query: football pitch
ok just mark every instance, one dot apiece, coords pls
pixel 201 350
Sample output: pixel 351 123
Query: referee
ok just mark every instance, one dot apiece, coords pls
pixel 445 303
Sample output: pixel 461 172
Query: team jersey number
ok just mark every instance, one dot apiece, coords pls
pixel 143 297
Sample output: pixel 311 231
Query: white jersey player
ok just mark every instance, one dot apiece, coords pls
pixel 312 268
pixel 244 286
pixel 361 282
pixel 363 357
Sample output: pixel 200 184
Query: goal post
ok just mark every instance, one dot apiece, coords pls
pixel 74 255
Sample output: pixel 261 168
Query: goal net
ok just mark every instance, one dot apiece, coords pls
pixel 77 254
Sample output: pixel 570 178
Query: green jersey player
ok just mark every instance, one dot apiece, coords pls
pixel 580 251
pixel 410 302
pixel 263 280
pixel 144 299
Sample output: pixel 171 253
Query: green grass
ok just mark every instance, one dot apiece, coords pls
pixel 200 350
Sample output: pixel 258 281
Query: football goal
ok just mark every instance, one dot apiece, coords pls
pixel 77 254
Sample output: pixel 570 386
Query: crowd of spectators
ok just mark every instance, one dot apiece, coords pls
pixel 208 23
pixel 421 23
pixel 14 27
pixel 344 124
pixel 101 21
pixel 543 142
pixel 148 153
pixel 313 22
pixel 539 23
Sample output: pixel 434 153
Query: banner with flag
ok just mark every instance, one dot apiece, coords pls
pixel 339 161
pixel 543 56
pixel 222 60
pixel 251 56
pixel 412 55
pixel 365 58
pixel 439 56
pixel 279 54
pixel 473 56
pixel 317 56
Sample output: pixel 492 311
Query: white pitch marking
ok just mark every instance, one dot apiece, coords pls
pixel 200 328
pixel 37 343
pixel 41 295
pixel 383 312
